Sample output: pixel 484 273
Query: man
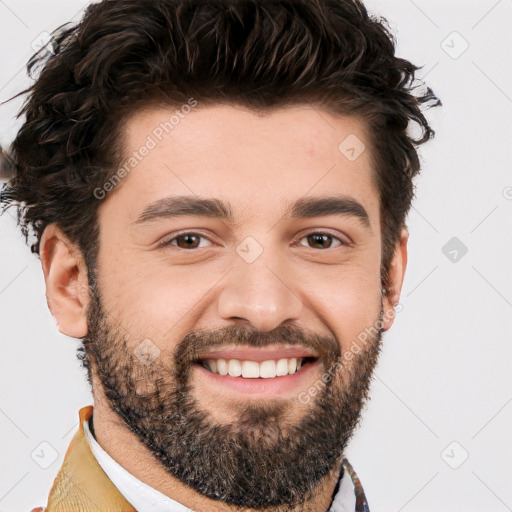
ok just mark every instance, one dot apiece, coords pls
pixel 218 192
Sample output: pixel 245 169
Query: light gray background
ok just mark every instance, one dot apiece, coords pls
pixel 442 391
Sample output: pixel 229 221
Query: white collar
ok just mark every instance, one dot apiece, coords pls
pixel 146 499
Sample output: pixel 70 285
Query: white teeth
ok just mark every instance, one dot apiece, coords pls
pixel 253 369
pixel 250 369
pixel 268 369
pixel 282 367
pixel 234 368
pixel 222 367
pixel 212 364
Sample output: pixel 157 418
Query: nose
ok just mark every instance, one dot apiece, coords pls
pixel 261 293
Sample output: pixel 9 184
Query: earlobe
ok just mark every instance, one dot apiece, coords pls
pixel 396 279
pixel 65 275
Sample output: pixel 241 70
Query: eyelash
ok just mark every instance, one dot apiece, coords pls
pixel 168 243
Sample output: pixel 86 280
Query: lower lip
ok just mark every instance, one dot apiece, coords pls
pixel 275 387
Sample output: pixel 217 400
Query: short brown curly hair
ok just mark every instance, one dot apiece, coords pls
pixel 126 54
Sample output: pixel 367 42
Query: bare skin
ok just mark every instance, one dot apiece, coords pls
pixel 258 164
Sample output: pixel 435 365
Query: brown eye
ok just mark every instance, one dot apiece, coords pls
pixel 321 240
pixel 185 241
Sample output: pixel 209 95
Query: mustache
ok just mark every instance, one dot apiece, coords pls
pixel 200 341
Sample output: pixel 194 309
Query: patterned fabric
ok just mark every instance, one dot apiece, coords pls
pixel 361 503
pixel 82 486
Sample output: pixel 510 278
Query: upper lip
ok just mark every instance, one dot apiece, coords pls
pixel 258 354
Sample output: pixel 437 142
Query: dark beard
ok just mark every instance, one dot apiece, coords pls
pixel 259 460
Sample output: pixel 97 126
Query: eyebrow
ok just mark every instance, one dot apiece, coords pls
pixel 305 207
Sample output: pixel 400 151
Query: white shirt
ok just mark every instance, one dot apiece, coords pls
pixel 146 499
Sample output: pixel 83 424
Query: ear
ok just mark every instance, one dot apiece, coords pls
pixel 65 275
pixel 395 279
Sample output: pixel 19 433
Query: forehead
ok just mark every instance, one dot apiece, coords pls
pixel 257 160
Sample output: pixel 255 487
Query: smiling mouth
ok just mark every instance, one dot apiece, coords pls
pixel 249 369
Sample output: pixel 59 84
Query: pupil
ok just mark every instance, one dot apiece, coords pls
pixel 319 239
pixel 188 240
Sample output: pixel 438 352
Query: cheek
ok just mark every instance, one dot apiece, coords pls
pixel 151 301
pixel 349 304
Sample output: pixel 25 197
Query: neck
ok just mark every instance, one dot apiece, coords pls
pixel 130 453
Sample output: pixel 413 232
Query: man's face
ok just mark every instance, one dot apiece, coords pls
pixel 277 288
